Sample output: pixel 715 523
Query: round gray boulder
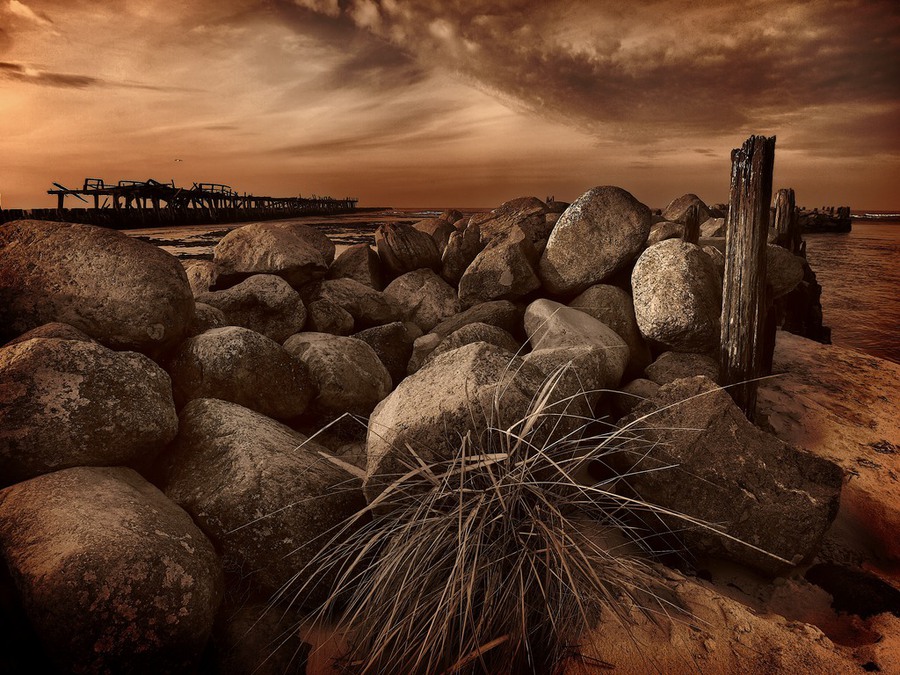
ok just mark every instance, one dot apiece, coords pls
pixel 598 235
pixel 423 298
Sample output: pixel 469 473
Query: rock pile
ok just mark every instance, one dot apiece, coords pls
pixel 138 372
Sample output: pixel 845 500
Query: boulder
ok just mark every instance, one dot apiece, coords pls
pixel 766 503
pixel 423 298
pixel 551 325
pixel 297 253
pixel 367 306
pixel 54 329
pixel 472 333
pixel 360 263
pixel 235 364
pixel 463 391
pixel 504 270
pixel 260 491
pixel 113 577
pixel 613 306
pixel 677 209
pixel 264 303
pixel 422 348
pixel 462 248
pixel 67 403
pixel 452 216
pixel 121 291
pixel 323 316
pixel 718 259
pixel 584 368
pixel 713 227
pixel 501 313
pixel 346 372
pixel 784 270
pixel 526 213
pixel 598 235
pixel 201 274
pixel 671 366
pixel 665 230
pixel 677 297
pixel 206 317
pixel 393 345
pixel 402 248
pixel 438 229
pixel 632 395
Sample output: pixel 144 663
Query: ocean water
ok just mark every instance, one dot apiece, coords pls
pixel 859 272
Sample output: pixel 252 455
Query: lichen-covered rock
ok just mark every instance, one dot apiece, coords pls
pixel 671 366
pixel 360 263
pixel 677 297
pixel 347 373
pixel 634 393
pixel 504 270
pixel 123 292
pixel 462 248
pixel 439 229
pixel 500 313
pixel 206 317
pixel 423 298
pixel 526 213
pixel 707 461
pixel 114 577
pixel 67 403
pixel 54 329
pixel 238 365
pixel 297 253
pixel 402 248
pixel 367 306
pixel 260 491
pixel 613 306
pixel 472 333
pixel 264 303
pixel 393 344
pixel 202 275
pixel 598 235
pixel 550 325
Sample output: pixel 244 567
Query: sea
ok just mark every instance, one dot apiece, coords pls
pixel 859 271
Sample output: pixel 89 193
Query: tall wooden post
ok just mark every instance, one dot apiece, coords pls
pixel 744 288
pixel 787 222
pixel 692 224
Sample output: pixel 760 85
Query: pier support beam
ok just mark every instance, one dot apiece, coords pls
pixel 744 290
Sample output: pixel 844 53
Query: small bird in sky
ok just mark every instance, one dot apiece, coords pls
pixel 177 160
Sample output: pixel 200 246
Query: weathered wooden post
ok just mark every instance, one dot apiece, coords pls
pixel 692 224
pixel 744 288
pixel 787 221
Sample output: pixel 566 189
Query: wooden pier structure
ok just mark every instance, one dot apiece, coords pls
pixel 131 204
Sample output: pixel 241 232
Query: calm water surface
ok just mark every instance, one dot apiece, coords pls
pixel 859 271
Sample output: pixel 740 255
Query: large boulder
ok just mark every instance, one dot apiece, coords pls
pixel 367 306
pixel 323 316
pixel 264 303
pixel 393 345
pixel 677 297
pixel 677 209
pixel 439 229
pixel 360 263
pixel 713 227
pixel 113 577
pixel 550 325
pixel 126 293
pixel 201 274
pixel 462 248
pixel 501 313
pixel 347 373
pixel 260 491
pixel 67 403
pixel 764 503
pixel 297 253
pixel 402 248
pixel 206 317
pixel 474 390
pixel 630 396
pixel 238 365
pixel 472 333
pixel 671 366
pixel 664 230
pixel 54 329
pixel 784 270
pixel 526 213
pixel 614 307
pixel 504 270
pixel 423 298
pixel 598 235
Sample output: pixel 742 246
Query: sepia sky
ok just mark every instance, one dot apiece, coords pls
pixel 452 102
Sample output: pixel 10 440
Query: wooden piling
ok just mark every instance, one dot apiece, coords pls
pixel 787 221
pixel 692 224
pixel 744 289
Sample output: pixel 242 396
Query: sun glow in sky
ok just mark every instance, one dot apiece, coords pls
pixel 452 103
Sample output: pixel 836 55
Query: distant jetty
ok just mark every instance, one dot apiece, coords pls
pixel 826 219
pixel 131 204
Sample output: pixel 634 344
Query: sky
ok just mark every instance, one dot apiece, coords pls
pixel 460 103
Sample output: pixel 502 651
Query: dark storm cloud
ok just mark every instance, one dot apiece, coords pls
pixel 665 68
